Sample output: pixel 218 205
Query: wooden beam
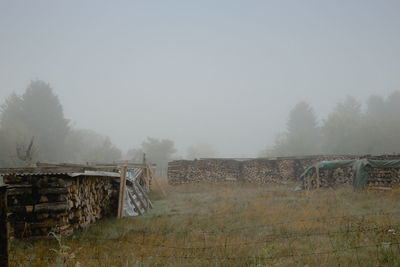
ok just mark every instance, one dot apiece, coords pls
pixel 121 198
pixel 318 181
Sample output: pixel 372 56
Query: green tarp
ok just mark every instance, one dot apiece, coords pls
pixel 359 167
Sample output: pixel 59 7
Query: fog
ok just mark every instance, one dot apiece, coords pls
pixel 221 73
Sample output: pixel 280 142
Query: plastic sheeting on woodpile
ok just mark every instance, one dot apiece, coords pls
pixel 360 173
pixel 135 201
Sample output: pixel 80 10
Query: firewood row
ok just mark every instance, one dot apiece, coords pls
pixel 259 171
pixel 384 177
pixel 39 204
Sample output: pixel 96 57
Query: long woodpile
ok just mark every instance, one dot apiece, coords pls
pixel 379 177
pixel 196 171
pixel 263 171
pixel 383 177
pixel 329 178
pixel 41 203
pixel 276 170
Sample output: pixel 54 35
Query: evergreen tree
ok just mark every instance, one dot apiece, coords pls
pixel 303 133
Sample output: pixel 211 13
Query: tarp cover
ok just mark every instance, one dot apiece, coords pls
pixel 359 167
pixel 132 192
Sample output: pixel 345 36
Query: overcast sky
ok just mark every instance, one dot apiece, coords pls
pixel 225 73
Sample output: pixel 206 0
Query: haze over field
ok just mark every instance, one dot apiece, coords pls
pixel 220 73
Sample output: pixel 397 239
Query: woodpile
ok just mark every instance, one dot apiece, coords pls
pixel 64 197
pixel 259 171
pixel 377 177
pixel 383 177
pixel 329 178
pixel 198 171
pixel 277 170
pixel 40 204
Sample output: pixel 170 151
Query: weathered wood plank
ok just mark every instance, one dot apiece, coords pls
pixel 51 207
pixel 121 196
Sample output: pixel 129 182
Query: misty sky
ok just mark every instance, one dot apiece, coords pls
pixel 225 73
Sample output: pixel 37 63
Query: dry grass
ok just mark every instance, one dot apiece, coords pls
pixel 237 225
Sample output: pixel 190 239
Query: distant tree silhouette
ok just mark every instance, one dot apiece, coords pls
pixel 157 151
pixel 89 146
pixel 39 113
pixel 201 151
pixel 303 137
pixel 342 130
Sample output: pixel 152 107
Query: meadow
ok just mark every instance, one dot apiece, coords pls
pixel 235 225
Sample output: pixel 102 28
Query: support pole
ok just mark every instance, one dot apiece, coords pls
pixel 318 182
pixel 122 185
pixel 3 227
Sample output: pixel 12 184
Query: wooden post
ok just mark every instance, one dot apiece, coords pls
pixel 318 182
pixel 146 174
pixel 122 185
pixel 3 227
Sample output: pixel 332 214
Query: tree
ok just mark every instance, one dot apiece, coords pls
pixel 343 130
pixel 303 133
pixel 375 118
pixel 33 127
pixel 280 147
pixel 136 155
pixel 12 130
pixel 302 136
pixel 200 151
pixel 89 146
pixel 44 119
pixel 390 125
pixel 157 151
pixel 38 115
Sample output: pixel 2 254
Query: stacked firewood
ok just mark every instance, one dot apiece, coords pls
pixel 260 171
pixel 381 177
pixel 336 177
pixel 286 170
pixel 40 204
pixel 197 171
pixel 90 199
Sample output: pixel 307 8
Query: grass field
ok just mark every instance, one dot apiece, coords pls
pixel 236 225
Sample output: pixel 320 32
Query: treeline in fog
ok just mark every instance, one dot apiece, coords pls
pixel 350 128
pixel 33 128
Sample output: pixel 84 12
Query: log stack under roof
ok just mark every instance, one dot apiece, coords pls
pixel 58 202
